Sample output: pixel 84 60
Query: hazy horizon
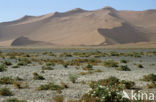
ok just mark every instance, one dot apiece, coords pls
pixel 12 10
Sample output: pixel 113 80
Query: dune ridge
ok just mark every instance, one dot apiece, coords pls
pixel 106 26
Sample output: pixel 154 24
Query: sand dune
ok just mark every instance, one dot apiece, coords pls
pixel 81 27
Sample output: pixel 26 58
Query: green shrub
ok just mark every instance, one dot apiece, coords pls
pixel 110 63
pixel 65 65
pixel 22 63
pixel 123 61
pixel 113 82
pixel 73 77
pixel 7 63
pixel 50 86
pixel 123 68
pixel 36 76
pixel 2 68
pixel 5 92
pixel 103 94
pixel 15 100
pixel 150 77
pixel 107 90
pixel 88 67
pixel 50 64
pixel 9 80
pixel 47 68
pixel 6 80
pixel 127 84
pixel 140 66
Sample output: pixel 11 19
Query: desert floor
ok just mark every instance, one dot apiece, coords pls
pixel 60 74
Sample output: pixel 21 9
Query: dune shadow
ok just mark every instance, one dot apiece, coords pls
pixel 123 34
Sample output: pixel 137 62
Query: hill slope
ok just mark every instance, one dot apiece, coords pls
pixel 80 27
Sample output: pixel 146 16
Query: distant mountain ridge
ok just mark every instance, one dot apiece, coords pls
pixel 106 26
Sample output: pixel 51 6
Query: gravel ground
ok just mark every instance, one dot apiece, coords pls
pixel 76 90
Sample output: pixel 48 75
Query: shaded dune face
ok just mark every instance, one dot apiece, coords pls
pixel 123 34
pixel 22 41
pixel 81 27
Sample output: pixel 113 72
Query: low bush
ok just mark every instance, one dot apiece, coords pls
pixel 9 80
pixel 150 77
pixel 50 86
pixel 110 63
pixel 73 77
pixel 107 90
pixel 88 67
pixel 151 85
pixel 7 63
pixel 113 82
pixel 15 100
pixel 2 68
pixel 22 63
pixel 47 68
pixel 50 64
pixel 5 92
pixel 65 65
pixel 36 76
pixel 103 94
pixel 123 61
pixel 140 66
pixel 6 80
pixel 123 68
pixel 20 85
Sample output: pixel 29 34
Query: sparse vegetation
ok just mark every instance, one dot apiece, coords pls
pixel 151 85
pixel 50 64
pixel 110 63
pixel 113 82
pixel 20 85
pixel 123 68
pixel 73 77
pixel 65 65
pixel 88 67
pixel 9 80
pixel 140 66
pixel 15 100
pixel 36 76
pixel 6 62
pixel 2 68
pixel 47 68
pixel 6 80
pixel 150 77
pixel 50 86
pixel 87 62
pixel 5 92
pixel 123 61
pixel 106 90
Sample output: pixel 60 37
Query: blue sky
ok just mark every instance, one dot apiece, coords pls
pixel 14 9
